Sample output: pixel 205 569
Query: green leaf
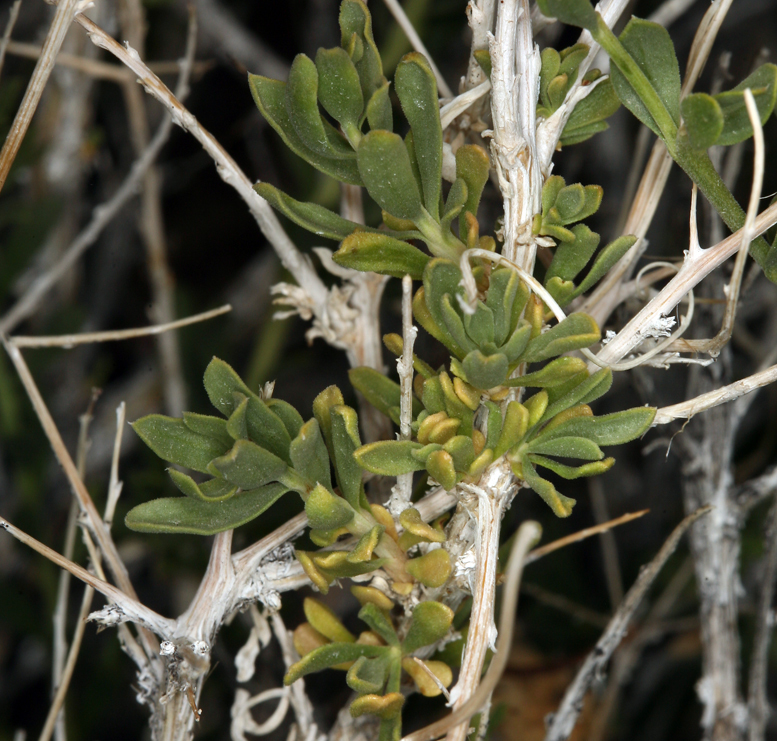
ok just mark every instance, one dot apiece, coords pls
pixel 387 707
pixel 424 317
pixel 472 166
pixel 326 511
pixel 364 548
pixel 514 427
pixel 703 119
pixel 368 676
pixel 380 391
pixel 291 418
pixel 187 515
pixel 430 623
pixel 270 98
pixel 442 277
pixel 432 569
pixel 417 90
pixel 224 387
pixel 381 254
pixel 650 47
pixel 337 564
pixel 379 113
pixel 563 291
pixel 557 91
pixel 339 88
pixel 503 292
pixel 573 472
pixel 605 260
pixel 570 258
pixel 266 429
pixel 454 323
pixel 582 133
pixel 462 450
pixel 328 656
pixel 384 165
pixel 213 490
pixel 561 505
pixel 609 429
pixel 389 457
pixel 480 325
pixel 736 122
pixel 248 466
pixel 310 458
pixel 555 373
pixel 485 371
pixel 175 443
pixel 310 216
pixel 483 58
pixel 589 389
pixel 550 64
pixel 204 424
pixel 345 442
pixel 589 114
pixel 302 109
pixel 236 424
pixel 550 191
pixel 566 447
pixel 379 622
pixel 569 202
pixel 457 198
pixel 440 467
pixel 576 331
pixel 322 619
pixel 322 405
pixel 355 19
pixel 572 12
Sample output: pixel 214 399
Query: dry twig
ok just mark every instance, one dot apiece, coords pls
pixel 63 16
pixel 564 720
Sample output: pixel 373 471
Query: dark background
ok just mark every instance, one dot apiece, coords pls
pixel 217 254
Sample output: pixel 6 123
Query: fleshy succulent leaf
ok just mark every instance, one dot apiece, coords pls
pixel 430 622
pixel 389 457
pixel 385 167
pixel 382 254
pixel 416 87
pixel 196 517
pixel 175 443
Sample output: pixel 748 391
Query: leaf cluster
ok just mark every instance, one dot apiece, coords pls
pixel 374 661
pixel 646 78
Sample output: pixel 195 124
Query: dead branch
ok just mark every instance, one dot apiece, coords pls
pixel 563 722
pixel 63 17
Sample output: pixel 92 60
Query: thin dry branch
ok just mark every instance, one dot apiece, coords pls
pixel 94 522
pixel 102 70
pixel 101 217
pixel 13 14
pixel 290 257
pixel 691 273
pixel 544 550
pixel 564 719
pixel 70 665
pixel 68 341
pixel 687 409
pixel 63 17
pixel 129 608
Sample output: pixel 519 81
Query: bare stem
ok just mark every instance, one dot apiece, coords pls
pixel 63 17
